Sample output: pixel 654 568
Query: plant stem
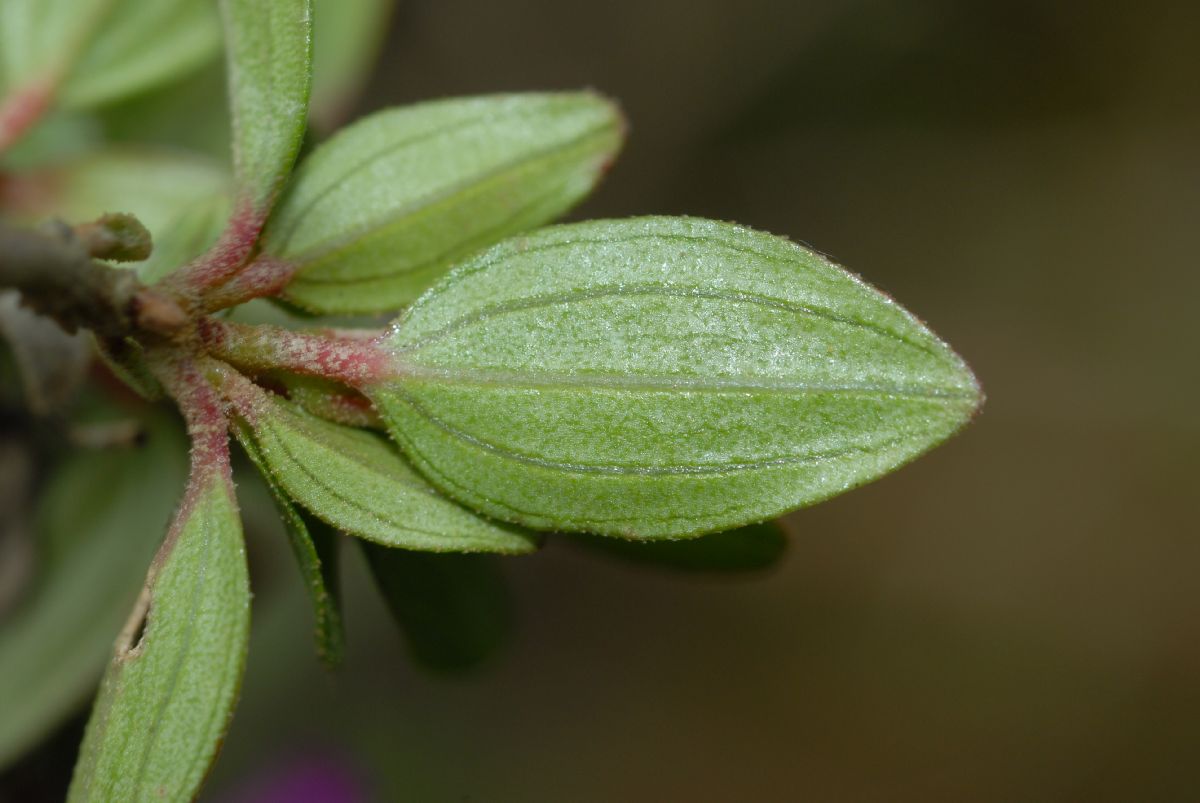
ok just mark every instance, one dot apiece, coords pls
pixel 351 361
pixel 58 278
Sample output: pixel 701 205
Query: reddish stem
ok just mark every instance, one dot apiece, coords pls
pixel 226 257
pixel 332 402
pixel 351 361
pixel 265 277
pixel 204 414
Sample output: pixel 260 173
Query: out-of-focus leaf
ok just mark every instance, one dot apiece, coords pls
pixel 126 359
pixel 358 482
pixel 53 363
pixel 191 114
pixel 60 136
pixel 455 610
pixel 190 233
pixel 98 522
pixel 154 185
pixel 347 35
pixel 382 209
pixel 314 545
pixel 88 52
pixel 662 377
pixel 167 697
pixel 268 44
pixel 750 548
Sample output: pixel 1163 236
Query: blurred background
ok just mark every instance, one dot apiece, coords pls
pixel 1014 616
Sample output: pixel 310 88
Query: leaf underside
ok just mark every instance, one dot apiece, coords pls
pixel 166 700
pixel 314 546
pixel 383 208
pixel 359 483
pixel 662 377
pixel 269 49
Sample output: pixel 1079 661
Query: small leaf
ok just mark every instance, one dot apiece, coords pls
pixel 98 522
pixel 662 377
pixel 315 546
pixel 269 48
pixel 168 695
pixel 455 610
pixel 358 482
pixel 382 209
pixel 90 52
pixel 347 36
pixel 750 548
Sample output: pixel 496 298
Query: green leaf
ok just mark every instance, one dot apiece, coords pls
pixel 90 52
pixel 751 548
pixel 168 695
pixel 190 233
pixel 347 36
pixel 662 377
pixel 315 546
pixel 99 520
pixel 268 44
pixel 382 209
pixel 455 610
pixel 190 114
pixel 157 186
pixel 358 482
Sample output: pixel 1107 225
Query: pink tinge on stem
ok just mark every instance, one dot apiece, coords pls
pixel 227 256
pixel 351 361
pixel 207 425
pixel 20 111
pixel 265 277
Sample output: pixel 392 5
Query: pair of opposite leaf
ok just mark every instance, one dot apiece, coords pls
pixel 652 378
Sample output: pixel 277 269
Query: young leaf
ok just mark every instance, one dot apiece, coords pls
pixel 315 546
pixel 89 52
pixel 269 48
pixel 751 548
pixel 662 377
pixel 380 211
pixel 101 516
pixel 167 696
pixel 358 482
pixel 455 610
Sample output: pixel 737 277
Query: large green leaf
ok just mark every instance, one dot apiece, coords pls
pixel 168 694
pixel 380 211
pixel 455 610
pixel 358 482
pixel 99 521
pixel 268 44
pixel 314 546
pixel 662 377
pixel 89 52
